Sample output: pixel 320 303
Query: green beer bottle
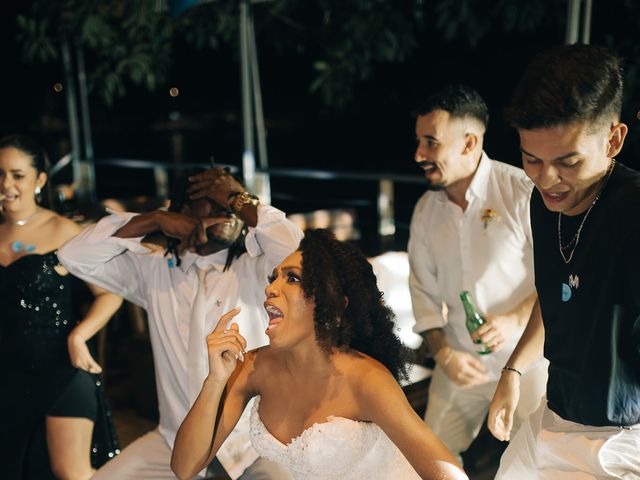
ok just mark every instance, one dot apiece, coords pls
pixel 474 320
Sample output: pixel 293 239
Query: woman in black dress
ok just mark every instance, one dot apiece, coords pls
pixel 51 397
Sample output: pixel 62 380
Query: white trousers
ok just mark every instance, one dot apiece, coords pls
pixel 456 413
pixel 149 457
pixel 547 447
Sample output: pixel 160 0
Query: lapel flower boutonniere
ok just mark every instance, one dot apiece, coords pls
pixel 489 216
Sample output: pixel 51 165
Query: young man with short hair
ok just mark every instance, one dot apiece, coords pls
pixel 586 231
pixel 469 231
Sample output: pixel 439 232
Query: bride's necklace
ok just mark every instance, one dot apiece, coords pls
pixel 576 238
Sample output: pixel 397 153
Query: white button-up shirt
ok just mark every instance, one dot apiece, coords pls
pixel 147 278
pixel 487 250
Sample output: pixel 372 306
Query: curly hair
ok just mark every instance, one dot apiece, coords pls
pixel 334 270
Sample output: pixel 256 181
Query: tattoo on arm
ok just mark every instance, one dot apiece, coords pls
pixel 435 340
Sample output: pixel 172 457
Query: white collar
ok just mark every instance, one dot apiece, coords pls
pixel 216 260
pixel 479 183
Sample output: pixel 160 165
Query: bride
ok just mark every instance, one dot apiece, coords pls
pixel 328 405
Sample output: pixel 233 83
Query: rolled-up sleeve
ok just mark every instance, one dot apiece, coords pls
pixel 275 236
pixel 112 263
pixel 425 296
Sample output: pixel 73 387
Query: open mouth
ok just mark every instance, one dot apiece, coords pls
pixel 275 316
pixel 7 198
pixel 427 167
pixel 554 197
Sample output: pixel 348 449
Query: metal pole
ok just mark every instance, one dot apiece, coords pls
pixel 386 222
pixel 162 182
pixel 88 179
pixel 262 178
pixel 586 21
pixel 72 113
pixel 248 156
pixel 573 22
pixel 257 97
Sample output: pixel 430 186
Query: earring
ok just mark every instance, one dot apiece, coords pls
pixel 38 192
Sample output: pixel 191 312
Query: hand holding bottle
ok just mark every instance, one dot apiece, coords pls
pixel 496 331
pixel 473 322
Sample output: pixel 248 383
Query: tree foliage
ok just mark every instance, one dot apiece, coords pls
pixel 343 40
pixel 122 41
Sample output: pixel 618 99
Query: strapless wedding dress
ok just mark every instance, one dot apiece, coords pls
pixel 338 449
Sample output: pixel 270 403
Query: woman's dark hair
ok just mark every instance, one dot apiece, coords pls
pixel 333 271
pixel 570 83
pixel 39 160
pixel 178 197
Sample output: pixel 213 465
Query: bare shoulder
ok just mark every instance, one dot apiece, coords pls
pixel 65 225
pixel 256 368
pixel 59 229
pixel 376 390
pixel 365 373
pixel 263 360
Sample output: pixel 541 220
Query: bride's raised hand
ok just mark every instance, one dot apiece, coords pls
pixel 225 347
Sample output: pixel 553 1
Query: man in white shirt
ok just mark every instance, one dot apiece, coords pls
pixel 206 272
pixel 469 231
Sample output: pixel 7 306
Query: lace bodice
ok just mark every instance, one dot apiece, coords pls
pixel 339 449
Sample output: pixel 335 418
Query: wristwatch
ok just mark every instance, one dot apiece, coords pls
pixel 238 201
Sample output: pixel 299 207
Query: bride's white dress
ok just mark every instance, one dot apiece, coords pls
pixel 338 449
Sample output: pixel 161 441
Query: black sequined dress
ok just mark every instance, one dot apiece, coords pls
pixel 35 320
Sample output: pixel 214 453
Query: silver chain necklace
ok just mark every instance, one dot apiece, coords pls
pixel 24 221
pixel 576 237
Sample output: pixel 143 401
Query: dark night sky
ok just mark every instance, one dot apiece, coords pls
pixel 374 133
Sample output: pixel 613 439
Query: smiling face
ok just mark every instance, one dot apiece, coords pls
pixel 291 315
pixel 443 149
pixel 18 182
pixel 220 235
pixel 569 163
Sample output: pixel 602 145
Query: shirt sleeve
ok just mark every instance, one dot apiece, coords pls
pixel 425 295
pixel 112 263
pixel 525 218
pixel 275 236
